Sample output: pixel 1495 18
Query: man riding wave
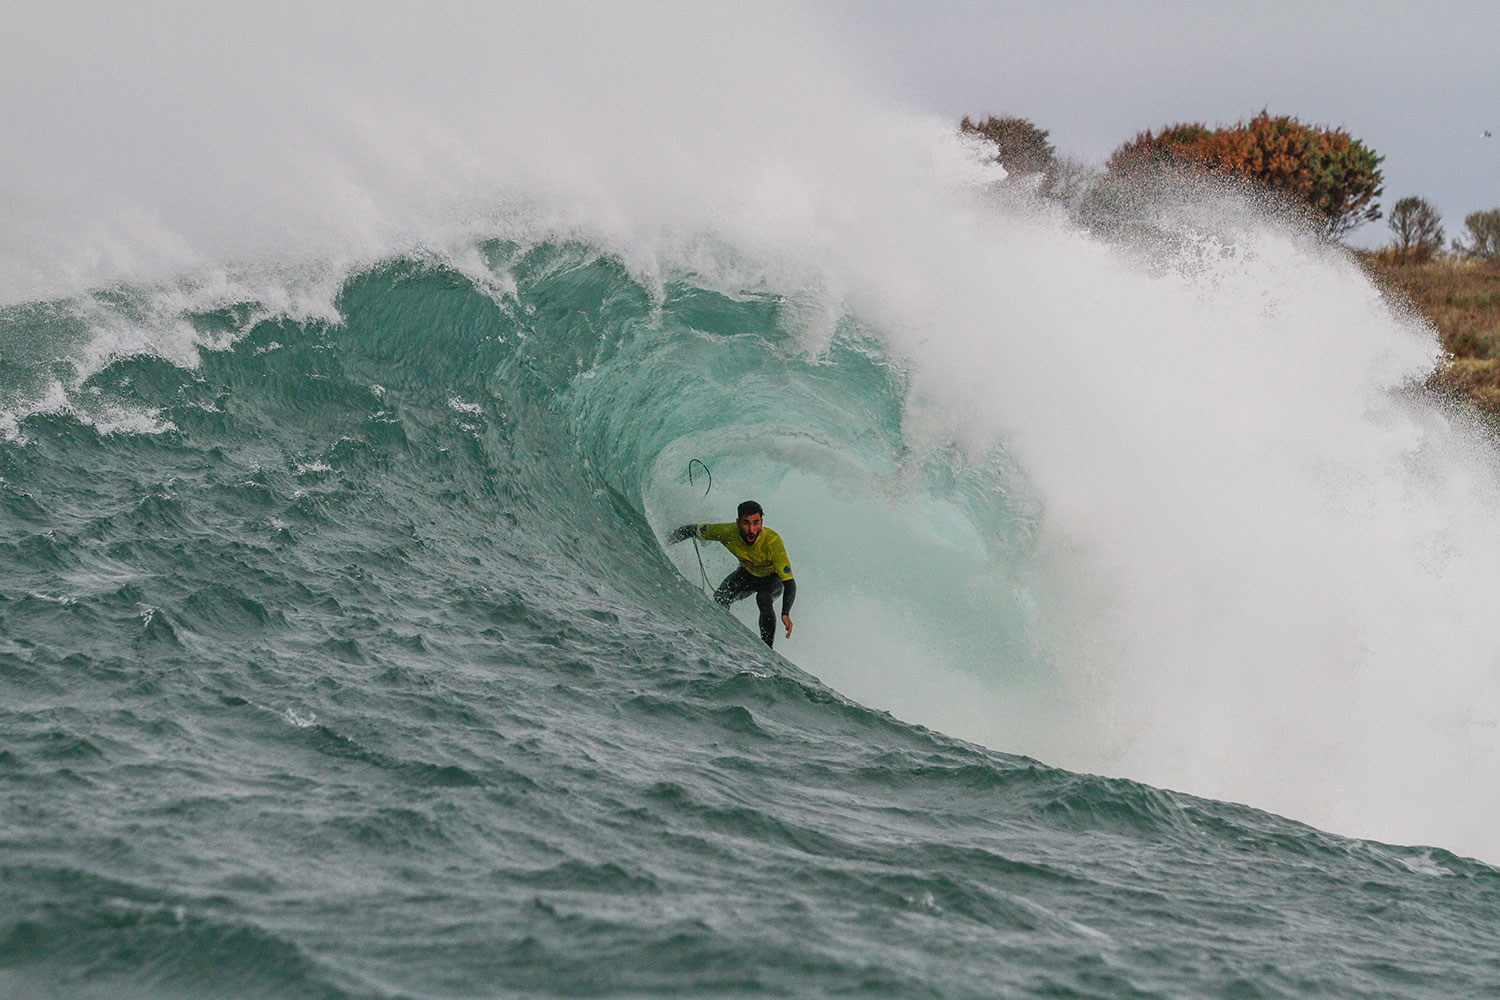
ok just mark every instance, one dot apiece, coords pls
pixel 764 569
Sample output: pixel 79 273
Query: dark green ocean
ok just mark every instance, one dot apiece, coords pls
pixel 354 668
pixel 355 364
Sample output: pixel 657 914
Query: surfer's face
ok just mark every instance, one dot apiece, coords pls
pixel 749 528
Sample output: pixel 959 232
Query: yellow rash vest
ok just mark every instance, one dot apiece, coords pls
pixel 766 556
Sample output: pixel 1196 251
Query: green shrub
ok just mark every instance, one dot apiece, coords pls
pixel 1023 147
pixel 1337 177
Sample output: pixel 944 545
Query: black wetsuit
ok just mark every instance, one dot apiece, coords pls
pixel 740 584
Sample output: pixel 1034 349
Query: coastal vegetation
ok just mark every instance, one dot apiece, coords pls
pixel 1457 290
pixel 1333 179
pixel 1418 228
pixel 1334 175
pixel 1020 145
pixel 1483 232
pixel 1030 159
pixel 1459 295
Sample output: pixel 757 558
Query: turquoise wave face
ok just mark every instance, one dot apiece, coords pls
pixel 347 661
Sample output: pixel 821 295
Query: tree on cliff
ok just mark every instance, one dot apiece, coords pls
pixel 1419 229
pixel 1483 230
pixel 1023 148
pixel 1337 177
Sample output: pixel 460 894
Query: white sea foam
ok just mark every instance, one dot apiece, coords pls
pixel 462 406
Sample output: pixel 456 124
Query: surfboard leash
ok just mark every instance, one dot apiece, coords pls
pixel 703 572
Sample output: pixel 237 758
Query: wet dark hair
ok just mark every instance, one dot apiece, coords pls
pixel 750 507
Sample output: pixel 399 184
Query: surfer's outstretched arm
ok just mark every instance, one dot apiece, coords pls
pixel 683 533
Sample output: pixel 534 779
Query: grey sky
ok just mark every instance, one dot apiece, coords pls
pixel 1416 82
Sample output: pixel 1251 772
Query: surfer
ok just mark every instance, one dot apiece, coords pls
pixel 764 569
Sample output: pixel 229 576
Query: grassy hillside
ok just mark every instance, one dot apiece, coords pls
pixel 1461 298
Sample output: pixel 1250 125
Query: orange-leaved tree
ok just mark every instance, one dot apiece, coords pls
pixel 1336 176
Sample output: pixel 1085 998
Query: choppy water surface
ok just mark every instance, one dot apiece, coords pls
pixel 356 670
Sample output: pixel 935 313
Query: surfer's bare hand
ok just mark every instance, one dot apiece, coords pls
pixel 787 621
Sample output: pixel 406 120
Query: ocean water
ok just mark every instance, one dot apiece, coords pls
pixel 1144 643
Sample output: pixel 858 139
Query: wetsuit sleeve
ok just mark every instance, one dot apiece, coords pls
pixel 719 532
pixel 783 567
pixel 683 533
pixel 779 561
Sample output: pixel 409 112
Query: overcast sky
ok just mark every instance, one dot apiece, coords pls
pixel 1416 82
pixel 184 116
